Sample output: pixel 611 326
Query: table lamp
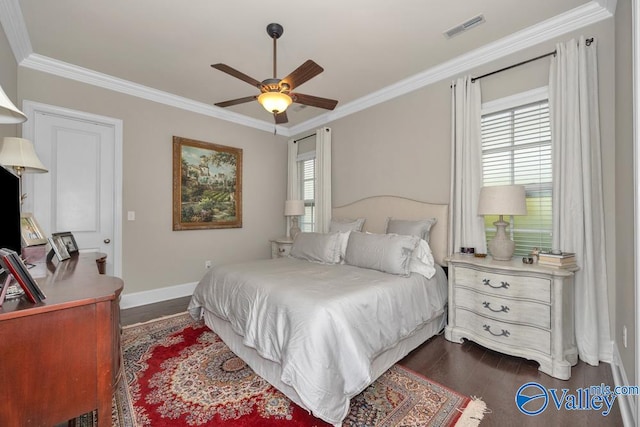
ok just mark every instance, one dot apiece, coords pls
pixel 502 200
pixel 294 208
pixel 19 154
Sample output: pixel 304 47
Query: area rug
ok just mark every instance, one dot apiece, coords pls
pixel 177 372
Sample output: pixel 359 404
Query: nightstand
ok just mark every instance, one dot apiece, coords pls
pixel 281 247
pixel 524 310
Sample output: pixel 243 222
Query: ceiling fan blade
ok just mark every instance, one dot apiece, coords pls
pixel 303 73
pixel 236 101
pixel 281 118
pixel 237 74
pixel 314 101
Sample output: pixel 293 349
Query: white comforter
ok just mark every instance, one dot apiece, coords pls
pixel 323 324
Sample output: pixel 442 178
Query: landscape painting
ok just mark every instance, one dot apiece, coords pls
pixel 207 185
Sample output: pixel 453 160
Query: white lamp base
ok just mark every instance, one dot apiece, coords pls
pixel 501 246
pixel 294 230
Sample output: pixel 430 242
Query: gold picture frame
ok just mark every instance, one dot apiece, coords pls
pixel 207 185
pixel 32 234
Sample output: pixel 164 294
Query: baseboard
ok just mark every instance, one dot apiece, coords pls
pixel 137 299
pixel 627 404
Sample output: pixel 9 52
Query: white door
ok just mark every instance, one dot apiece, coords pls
pixel 80 193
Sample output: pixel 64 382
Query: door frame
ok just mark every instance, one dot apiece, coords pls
pixel 30 108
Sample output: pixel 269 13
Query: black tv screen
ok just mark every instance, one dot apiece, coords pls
pixel 10 236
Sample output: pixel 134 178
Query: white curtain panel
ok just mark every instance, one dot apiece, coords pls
pixel 578 211
pixel 323 179
pixel 293 190
pixel 466 166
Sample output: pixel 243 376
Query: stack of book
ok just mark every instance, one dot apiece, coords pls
pixel 562 260
pixel 15 268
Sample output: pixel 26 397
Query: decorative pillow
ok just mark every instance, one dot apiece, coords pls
pixel 418 228
pixel 345 224
pixel 389 253
pixel 316 247
pixel 422 260
pixel 343 240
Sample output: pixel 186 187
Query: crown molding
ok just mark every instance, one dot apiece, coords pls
pixel 572 20
pixel 15 29
pixel 581 16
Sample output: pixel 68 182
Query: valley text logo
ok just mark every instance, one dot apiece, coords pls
pixel 532 398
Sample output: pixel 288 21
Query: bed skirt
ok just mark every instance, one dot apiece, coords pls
pixel 271 371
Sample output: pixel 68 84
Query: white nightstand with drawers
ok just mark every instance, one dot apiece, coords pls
pixel 524 310
pixel 281 247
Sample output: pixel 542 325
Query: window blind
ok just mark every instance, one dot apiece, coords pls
pixel 308 187
pixel 516 149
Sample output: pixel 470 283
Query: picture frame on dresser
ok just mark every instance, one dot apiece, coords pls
pixel 32 234
pixel 68 240
pixel 59 248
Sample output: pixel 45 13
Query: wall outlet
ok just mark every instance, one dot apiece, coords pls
pixel 624 336
pixel 207 264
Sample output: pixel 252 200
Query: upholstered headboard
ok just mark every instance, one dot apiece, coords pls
pixel 377 209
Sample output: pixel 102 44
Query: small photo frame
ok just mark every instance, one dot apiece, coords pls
pixel 68 240
pixel 59 248
pixel 31 232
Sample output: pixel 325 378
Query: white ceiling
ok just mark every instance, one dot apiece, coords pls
pixel 371 50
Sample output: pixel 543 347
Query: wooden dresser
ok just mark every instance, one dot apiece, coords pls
pixel 61 358
pixel 519 309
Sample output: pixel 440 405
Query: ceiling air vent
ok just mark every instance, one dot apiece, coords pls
pixel 467 25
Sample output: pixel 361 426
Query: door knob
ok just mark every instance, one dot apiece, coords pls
pixel 107 241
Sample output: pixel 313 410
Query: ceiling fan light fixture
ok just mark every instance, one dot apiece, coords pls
pixel 275 102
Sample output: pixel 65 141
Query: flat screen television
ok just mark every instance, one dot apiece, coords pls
pixel 10 232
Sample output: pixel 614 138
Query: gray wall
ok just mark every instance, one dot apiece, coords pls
pixel 8 81
pixel 402 146
pixel 154 256
pixel 625 295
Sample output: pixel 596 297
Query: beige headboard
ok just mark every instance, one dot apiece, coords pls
pixel 377 209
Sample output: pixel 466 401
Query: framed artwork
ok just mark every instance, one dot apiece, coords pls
pixel 68 240
pixel 31 232
pixel 207 185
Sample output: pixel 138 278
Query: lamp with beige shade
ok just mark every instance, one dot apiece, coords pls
pixel 502 200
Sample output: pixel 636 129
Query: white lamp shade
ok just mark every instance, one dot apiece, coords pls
pixel 9 114
pixel 20 153
pixel 502 200
pixel 293 207
pixel 275 102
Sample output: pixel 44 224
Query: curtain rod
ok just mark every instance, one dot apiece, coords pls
pixel 473 79
pixel 304 137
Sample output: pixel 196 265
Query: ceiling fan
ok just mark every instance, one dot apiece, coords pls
pixel 276 94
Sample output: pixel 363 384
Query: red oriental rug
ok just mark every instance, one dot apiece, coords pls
pixel 177 372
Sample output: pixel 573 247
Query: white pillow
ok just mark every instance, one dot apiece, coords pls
pixel 418 228
pixel 389 253
pixel 422 260
pixel 343 240
pixel 316 247
pixel 345 224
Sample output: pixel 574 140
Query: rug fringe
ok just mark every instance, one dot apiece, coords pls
pixel 169 316
pixel 473 413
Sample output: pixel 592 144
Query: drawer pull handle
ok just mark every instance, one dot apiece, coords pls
pixel 487 305
pixel 487 282
pixel 504 333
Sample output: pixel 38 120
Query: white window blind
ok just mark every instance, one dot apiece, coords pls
pixel 516 149
pixel 307 174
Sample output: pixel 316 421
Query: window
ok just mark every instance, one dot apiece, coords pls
pixel 307 176
pixel 516 149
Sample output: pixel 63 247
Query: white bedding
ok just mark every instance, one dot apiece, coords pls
pixel 324 324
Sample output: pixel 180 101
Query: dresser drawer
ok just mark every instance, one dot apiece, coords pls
pixel 512 286
pixel 509 310
pixel 507 334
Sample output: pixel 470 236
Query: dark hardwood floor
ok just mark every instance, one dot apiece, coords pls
pixel 474 371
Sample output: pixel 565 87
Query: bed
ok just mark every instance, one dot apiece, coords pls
pixel 321 333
